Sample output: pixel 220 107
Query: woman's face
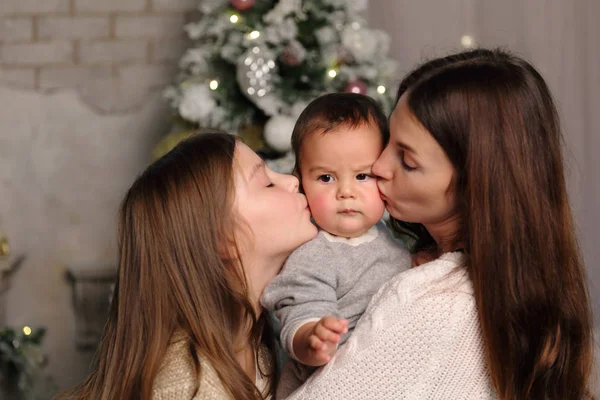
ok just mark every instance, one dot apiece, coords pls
pixel 277 215
pixel 415 173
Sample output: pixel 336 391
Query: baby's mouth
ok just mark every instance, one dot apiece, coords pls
pixel 348 211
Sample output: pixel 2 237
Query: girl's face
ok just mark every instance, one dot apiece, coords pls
pixel 275 217
pixel 415 173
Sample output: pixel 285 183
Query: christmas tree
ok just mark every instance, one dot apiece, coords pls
pixel 257 63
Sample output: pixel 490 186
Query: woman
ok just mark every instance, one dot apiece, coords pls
pixel 474 170
pixel 201 233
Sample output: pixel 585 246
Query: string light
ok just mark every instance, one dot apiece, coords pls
pixel 381 89
pixel 254 35
pixel 467 41
pixel 234 19
pixel 27 330
pixel 214 84
pixel 332 73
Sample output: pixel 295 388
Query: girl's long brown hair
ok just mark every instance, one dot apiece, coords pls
pixel 494 116
pixel 175 274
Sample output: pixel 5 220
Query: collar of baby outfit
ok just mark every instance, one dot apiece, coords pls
pixel 366 237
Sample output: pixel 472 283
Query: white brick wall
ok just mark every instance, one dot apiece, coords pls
pixel 37 53
pixel 113 51
pixel 16 29
pixel 22 77
pixel 149 26
pixel 72 76
pixel 174 5
pixel 33 6
pixel 73 28
pixel 110 5
pixel 155 75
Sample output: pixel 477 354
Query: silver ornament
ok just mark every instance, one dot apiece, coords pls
pixel 256 69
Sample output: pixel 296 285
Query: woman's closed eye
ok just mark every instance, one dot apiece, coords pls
pixel 406 165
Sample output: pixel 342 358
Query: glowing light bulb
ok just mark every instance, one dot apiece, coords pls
pixel 254 35
pixel 467 41
pixel 213 85
pixel 381 89
pixel 27 330
pixel 332 73
pixel 234 19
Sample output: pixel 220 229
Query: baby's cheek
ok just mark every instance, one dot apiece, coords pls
pixel 320 207
pixel 374 202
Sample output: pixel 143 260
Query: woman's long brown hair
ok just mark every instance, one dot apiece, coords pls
pixel 175 274
pixel 494 116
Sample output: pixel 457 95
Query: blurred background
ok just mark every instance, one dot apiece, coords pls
pixel 91 90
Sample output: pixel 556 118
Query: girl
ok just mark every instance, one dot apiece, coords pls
pixel 201 233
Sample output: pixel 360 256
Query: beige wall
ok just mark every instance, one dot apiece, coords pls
pixel 80 110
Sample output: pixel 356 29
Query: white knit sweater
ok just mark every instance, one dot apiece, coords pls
pixel 418 339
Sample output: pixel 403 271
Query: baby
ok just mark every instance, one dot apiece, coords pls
pixel 326 284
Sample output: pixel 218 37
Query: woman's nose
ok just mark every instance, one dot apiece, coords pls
pixel 381 167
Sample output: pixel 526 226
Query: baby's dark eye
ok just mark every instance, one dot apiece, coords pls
pixel 362 177
pixel 325 178
pixel 271 185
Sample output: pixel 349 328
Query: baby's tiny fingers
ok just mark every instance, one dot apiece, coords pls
pixel 336 325
pixel 315 343
pixel 327 335
pixel 323 356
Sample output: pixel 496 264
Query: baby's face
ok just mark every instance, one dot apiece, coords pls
pixel 337 180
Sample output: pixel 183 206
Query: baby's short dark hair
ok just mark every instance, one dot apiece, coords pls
pixel 331 111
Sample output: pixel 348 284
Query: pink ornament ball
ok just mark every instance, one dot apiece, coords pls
pixel 357 86
pixel 289 58
pixel 242 5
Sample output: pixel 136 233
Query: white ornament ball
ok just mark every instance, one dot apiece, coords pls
pixel 278 132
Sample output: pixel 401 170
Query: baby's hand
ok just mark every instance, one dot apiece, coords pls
pixel 321 339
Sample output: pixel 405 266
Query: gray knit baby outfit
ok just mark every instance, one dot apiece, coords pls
pixel 331 276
